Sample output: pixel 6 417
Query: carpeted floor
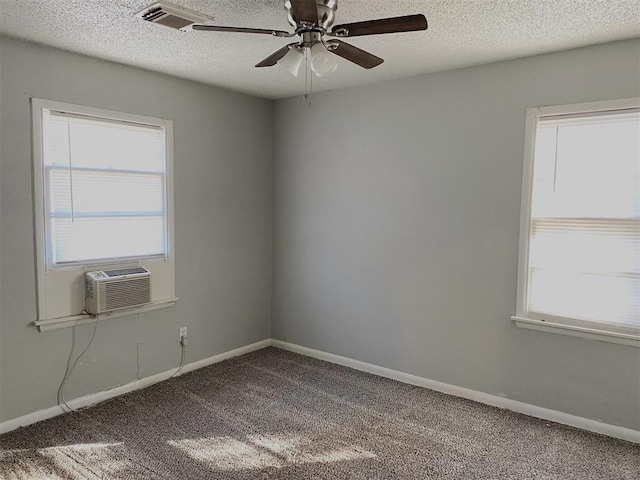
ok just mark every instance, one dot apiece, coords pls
pixel 274 414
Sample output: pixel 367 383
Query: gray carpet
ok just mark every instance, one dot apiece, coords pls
pixel 274 414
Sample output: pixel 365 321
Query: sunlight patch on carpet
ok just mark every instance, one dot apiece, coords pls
pixel 65 461
pixel 260 451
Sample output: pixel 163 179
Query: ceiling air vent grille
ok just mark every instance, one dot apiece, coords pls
pixel 171 16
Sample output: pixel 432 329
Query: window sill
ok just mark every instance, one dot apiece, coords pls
pixel 75 320
pixel 628 339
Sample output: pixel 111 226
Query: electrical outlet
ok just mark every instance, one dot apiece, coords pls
pixel 183 332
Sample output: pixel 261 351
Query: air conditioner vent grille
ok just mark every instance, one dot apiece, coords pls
pixel 124 293
pixel 110 290
pixel 125 271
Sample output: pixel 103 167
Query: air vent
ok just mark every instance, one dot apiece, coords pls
pixel 171 16
pixel 110 290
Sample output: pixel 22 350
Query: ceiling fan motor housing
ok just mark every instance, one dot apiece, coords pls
pixel 326 14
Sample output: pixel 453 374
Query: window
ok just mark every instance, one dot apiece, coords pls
pixel 103 198
pixel 580 231
pixel 104 187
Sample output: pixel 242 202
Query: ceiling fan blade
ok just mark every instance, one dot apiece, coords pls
pixel 410 23
pixel 272 59
pixel 354 54
pixel 214 28
pixel 305 11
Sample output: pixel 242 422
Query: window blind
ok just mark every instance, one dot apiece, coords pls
pixel 584 246
pixel 105 189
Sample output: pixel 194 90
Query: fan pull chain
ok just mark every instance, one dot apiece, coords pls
pixel 306 74
pixel 310 86
pixel 308 78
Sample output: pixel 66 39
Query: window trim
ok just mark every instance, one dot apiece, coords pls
pixel 550 323
pixel 38 105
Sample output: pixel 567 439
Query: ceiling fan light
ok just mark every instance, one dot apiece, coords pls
pixel 322 61
pixel 292 61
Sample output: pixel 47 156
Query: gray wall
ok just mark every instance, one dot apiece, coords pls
pixel 396 230
pixel 223 173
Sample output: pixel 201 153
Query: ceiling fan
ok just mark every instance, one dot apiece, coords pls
pixel 312 20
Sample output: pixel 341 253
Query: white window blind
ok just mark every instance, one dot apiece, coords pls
pixel 105 189
pixel 584 245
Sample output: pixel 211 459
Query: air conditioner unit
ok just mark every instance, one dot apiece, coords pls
pixel 171 16
pixel 109 290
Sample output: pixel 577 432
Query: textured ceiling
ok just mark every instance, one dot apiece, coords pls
pixel 461 33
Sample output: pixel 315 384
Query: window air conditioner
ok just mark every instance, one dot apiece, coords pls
pixel 109 290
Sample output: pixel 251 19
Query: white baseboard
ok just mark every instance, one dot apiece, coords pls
pixel 486 398
pixel 93 398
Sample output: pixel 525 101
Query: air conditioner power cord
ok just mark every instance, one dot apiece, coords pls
pixel 69 371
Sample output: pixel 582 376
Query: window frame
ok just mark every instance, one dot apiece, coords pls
pixel 45 272
pixel 545 322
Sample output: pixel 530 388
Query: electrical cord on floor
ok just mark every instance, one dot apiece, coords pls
pixel 69 371
pixel 70 367
pixel 138 361
pixel 183 344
